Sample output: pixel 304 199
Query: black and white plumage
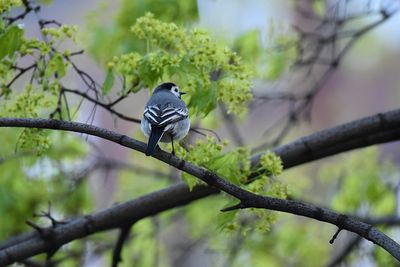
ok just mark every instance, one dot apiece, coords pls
pixel 165 117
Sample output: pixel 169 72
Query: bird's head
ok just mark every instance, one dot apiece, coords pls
pixel 173 88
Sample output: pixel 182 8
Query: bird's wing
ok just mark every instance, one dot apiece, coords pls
pixel 161 117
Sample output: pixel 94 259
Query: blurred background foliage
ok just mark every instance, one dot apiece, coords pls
pixel 140 44
pixel 114 38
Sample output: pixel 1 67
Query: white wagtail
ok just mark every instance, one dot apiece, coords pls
pixel 165 117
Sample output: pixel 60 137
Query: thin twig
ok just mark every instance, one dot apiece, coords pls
pixel 123 235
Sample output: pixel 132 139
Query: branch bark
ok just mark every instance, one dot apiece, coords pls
pixel 353 241
pixel 123 235
pixel 32 244
pixel 380 128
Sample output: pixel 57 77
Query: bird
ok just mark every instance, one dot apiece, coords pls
pixel 165 117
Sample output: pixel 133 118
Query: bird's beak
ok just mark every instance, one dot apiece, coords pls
pixel 183 93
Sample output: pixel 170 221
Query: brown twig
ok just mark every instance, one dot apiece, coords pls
pixel 123 235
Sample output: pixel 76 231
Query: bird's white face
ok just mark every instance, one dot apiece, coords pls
pixel 175 91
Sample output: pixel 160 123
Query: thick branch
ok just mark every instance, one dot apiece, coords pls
pixel 113 217
pixel 353 241
pixel 371 130
pixel 376 129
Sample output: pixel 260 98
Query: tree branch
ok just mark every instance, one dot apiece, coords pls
pixel 151 204
pixel 371 130
pixel 107 107
pixel 353 241
pixel 123 235
pixel 320 51
pixel 376 129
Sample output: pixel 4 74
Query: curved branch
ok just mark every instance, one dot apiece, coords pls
pixel 32 244
pixel 353 241
pixel 376 129
pixel 371 130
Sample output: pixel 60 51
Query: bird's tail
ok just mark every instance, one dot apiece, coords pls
pixel 155 136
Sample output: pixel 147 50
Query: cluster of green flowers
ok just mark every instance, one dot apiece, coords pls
pixel 127 65
pixel 259 219
pixel 235 166
pixel 207 70
pixel 6 73
pixel 29 104
pixel 203 153
pixel 271 163
pixel 6 5
pixel 267 185
pixel 39 97
pixel 55 36
pixel 34 140
pixel 61 33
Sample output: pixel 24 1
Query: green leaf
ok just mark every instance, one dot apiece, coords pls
pixel 226 220
pixel 56 65
pixel 190 180
pixel 203 100
pixel 108 82
pixel 227 166
pixel 11 41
